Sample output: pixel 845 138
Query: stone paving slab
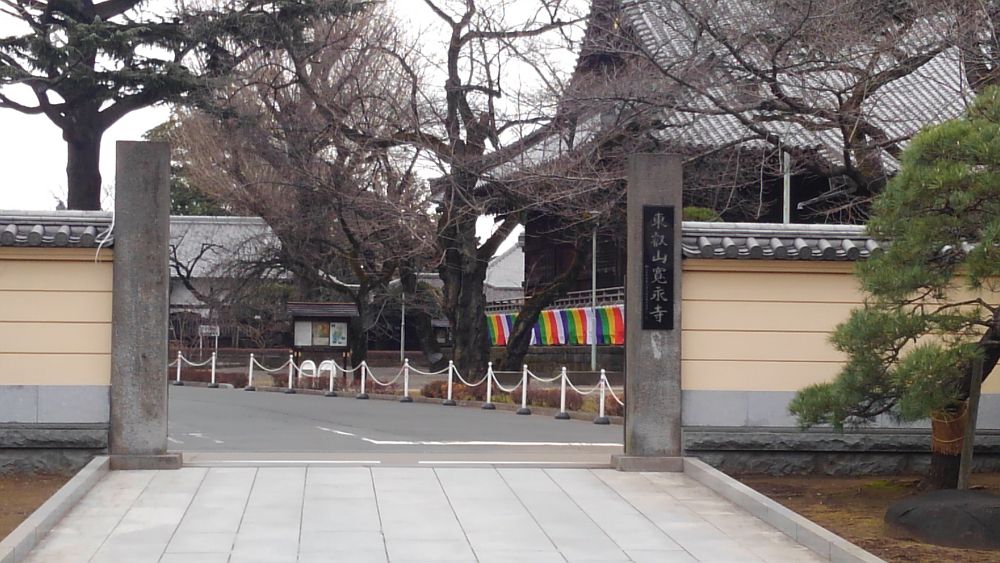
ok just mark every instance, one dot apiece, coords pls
pixel 410 515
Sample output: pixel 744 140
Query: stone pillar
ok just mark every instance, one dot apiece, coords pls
pixel 138 429
pixel 653 341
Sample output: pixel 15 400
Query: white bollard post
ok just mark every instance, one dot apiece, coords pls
pixel 333 376
pixel 449 402
pixel 562 414
pixel 406 398
pixel 364 376
pixel 250 386
pixel 488 405
pixel 524 392
pixel 291 375
pixel 180 360
pixel 213 384
pixel 601 419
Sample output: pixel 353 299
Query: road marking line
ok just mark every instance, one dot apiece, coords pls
pixel 489 443
pixel 219 442
pixel 335 431
pixel 292 461
pixel 470 462
pixel 169 439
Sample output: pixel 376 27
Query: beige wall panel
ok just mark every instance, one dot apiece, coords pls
pixel 53 306
pixel 992 383
pixel 758 346
pixel 714 375
pixel 763 286
pixel 763 316
pixel 55 338
pixel 55 369
pixel 708 375
pixel 55 276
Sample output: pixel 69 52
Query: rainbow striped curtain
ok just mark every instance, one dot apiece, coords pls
pixel 565 326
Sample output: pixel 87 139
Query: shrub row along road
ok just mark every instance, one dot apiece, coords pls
pixel 226 426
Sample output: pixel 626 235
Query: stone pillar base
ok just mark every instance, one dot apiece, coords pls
pixel 644 463
pixel 164 461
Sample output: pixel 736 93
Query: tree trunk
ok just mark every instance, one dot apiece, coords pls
pixel 464 275
pixel 424 327
pixel 943 472
pixel 947 432
pixel 520 334
pixel 468 318
pixel 83 172
pixel 358 340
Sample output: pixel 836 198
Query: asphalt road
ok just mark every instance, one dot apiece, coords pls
pixel 227 426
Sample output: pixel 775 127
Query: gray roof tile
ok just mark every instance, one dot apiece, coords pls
pixel 69 229
pixel 770 241
pixel 935 92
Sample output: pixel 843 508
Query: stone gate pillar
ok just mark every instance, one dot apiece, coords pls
pixel 653 316
pixel 138 426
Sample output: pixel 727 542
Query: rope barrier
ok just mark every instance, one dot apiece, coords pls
pixel 393 380
pixel 283 366
pixel 612 391
pixel 477 384
pixel 601 419
pixel 584 393
pixel 193 364
pixel 438 372
pixel 504 389
pixel 543 380
pixel 308 368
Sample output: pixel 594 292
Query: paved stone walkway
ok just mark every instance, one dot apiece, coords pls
pixel 409 514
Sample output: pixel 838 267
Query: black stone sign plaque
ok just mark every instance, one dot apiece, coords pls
pixel 658 267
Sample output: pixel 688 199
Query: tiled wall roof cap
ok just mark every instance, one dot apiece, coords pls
pixel 775 241
pixel 72 229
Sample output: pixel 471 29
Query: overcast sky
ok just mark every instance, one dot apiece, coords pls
pixel 33 154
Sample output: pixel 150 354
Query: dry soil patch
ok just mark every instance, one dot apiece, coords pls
pixel 20 495
pixel 853 509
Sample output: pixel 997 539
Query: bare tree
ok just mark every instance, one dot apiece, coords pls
pixel 837 85
pixel 457 107
pixel 346 212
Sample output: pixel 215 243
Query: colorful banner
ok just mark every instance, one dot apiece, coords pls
pixel 565 326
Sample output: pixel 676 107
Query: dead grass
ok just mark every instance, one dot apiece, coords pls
pixel 853 509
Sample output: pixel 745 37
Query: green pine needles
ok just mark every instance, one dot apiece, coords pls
pixel 930 304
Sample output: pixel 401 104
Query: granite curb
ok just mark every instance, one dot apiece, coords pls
pixel 16 546
pixel 573 415
pixel 825 543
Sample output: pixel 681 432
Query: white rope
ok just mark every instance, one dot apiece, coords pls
pixel 192 364
pixel 467 384
pixel 172 364
pixel 612 391
pixel 543 380
pixel 313 374
pixel 574 387
pixel 438 372
pixel 283 366
pixel 394 379
pixel 345 370
pixel 504 389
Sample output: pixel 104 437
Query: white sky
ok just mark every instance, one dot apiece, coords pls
pixel 33 154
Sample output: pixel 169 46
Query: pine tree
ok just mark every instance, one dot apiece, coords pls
pixel 88 64
pixel 931 307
